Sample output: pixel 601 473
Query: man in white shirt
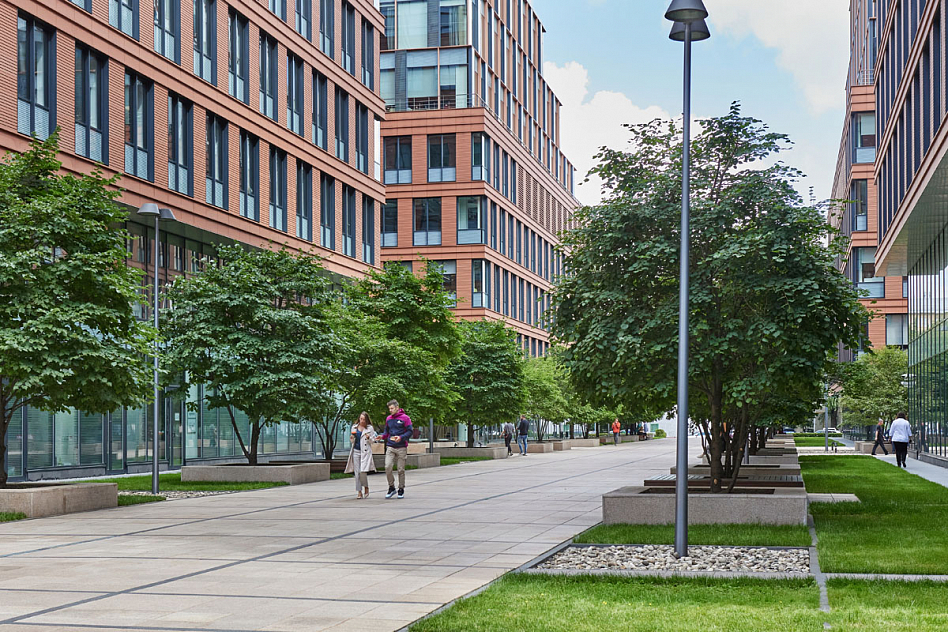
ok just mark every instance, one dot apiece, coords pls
pixel 901 433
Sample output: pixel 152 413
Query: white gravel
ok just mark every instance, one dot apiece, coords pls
pixel 178 495
pixel 662 558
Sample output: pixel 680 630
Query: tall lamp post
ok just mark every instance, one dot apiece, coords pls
pixel 148 210
pixel 688 16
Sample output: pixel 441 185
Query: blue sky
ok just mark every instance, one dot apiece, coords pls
pixel 611 62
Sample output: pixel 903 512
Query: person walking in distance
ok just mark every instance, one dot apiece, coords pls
pixel 901 433
pixel 398 431
pixel 523 429
pixel 508 431
pixel 616 431
pixel 361 460
pixel 880 439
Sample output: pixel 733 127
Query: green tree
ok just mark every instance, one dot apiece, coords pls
pixel 768 306
pixel 68 334
pixel 255 331
pixel 488 375
pixel 544 401
pixel 872 387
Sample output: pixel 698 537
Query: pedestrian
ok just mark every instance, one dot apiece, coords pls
pixel 361 461
pixel 901 433
pixel 523 429
pixel 880 439
pixel 616 431
pixel 508 431
pixel 397 433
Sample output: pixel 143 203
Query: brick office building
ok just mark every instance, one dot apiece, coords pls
pixel 253 121
pixel 474 176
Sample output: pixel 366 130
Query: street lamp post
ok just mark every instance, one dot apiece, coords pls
pixel 150 209
pixel 688 16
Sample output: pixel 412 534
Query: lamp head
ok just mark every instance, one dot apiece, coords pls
pixel 699 31
pixel 149 209
pixel 166 215
pixel 686 11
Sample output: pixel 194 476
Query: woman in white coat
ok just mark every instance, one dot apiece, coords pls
pixel 361 461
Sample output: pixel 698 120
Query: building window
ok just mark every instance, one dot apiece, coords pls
pixel 480 279
pixel 249 176
pixel 390 224
pixel 449 269
pixel 362 138
pixel 472 220
pixel 503 232
pixel 905 287
pixel 278 189
pixel 179 144
pixel 368 230
pixel 92 103
pixel 138 130
pixel 342 125
pixel 123 15
pixel 519 240
pixel 453 78
pixel 864 137
pixel 167 21
pixel 387 7
pixel 268 76
pixel 278 8
pixel 896 330
pixel 506 189
pixel 327 212
pixel 480 156
pixel 865 272
pixel 320 109
pixel 441 158
pixel 427 222
pixel 294 93
pixel 398 160
pixel 216 176
pixel 421 80
pixel 497 166
pixel 859 194
pixel 205 40
pixel 348 38
pixel 348 221
pixel 493 225
pixel 238 54
pixel 453 22
pixel 513 181
pixel 35 78
pixel 304 201
pixel 368 54
pixel 412 23
pixel 304 18
pixel 327 20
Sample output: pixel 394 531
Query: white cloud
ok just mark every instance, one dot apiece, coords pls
pixel 811 38
pixel 588 123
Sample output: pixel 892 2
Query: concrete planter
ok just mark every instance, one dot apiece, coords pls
pixel 561 445
pixel 607 439
pixel 749 470
pixel 38 500
pixel 865 447
pixel 584 443
pixel 539 448
pixel 413 448
pixel 420 461
pixel 647 505
pixel 491 453
pixel 774 460
pixel 291 474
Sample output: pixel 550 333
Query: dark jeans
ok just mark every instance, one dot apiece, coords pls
pixel 879 444
pixel 507 439
pixel 615 438
pixel 901 452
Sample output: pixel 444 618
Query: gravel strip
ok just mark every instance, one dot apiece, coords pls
pixel 662 558
pixel 178 495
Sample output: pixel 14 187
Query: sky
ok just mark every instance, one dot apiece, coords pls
pixel 610 62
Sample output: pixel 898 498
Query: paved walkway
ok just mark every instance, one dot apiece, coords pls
pixel 309 557
pixel 931 472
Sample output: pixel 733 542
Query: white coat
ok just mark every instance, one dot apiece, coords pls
pixel 366 459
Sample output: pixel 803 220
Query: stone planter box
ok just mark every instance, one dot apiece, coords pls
pixel 534 447
pixel 774 460
pixel 606 440
pixel 584 443
pixel 38 500
pixel 491 453
pixel 420 461
pixel 418 447
pixel 559 446
pixel 865 447
pixel 749 470
pixel 647 505
pixel 290 473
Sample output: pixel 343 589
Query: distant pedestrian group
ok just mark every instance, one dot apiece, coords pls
pixel 900 433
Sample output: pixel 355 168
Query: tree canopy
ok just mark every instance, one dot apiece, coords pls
pixel 872 387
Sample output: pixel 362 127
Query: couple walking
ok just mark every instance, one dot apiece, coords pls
pixel 398 432
pixel 901 434
pixel 522 430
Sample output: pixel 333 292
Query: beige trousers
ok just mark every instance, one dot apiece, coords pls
pixel 396 457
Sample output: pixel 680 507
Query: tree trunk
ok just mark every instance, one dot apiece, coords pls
pixel 254 442
pixel 572 430
pixel 752 446
pixel 6 416
pixel 717 439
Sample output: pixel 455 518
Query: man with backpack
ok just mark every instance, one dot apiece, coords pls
pixel 508 431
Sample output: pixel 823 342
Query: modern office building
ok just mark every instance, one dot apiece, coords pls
pixel 254 122
pixel 855 181
pixel 475 179
pixel 911 173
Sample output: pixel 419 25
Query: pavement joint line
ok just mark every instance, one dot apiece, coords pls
pixel 894 577
pixel 99 626
pixel 815 566
pixel 20 618
pixel 287 598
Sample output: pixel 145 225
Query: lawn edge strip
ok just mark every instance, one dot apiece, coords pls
pixel 887 577
pixel 618 572
pixel 815 570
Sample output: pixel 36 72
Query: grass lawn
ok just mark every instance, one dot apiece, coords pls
pixel 814 442
pixel 883 606
pixel 125 500
pixel 729 534
pixel 536 603
pixel 899 527
pixel 171 482
pixel 454 460
pixel 6 516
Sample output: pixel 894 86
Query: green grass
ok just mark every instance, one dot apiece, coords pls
pixel 537 603
pixel 6 516
pixel 882 606
pixel 899 527
pixel 125 500
pixel 171 482
pixel 726 534
pixel 454 460
pixel 799 435
pixel 815 442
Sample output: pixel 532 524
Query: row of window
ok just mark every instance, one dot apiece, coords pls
pixel 407 24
